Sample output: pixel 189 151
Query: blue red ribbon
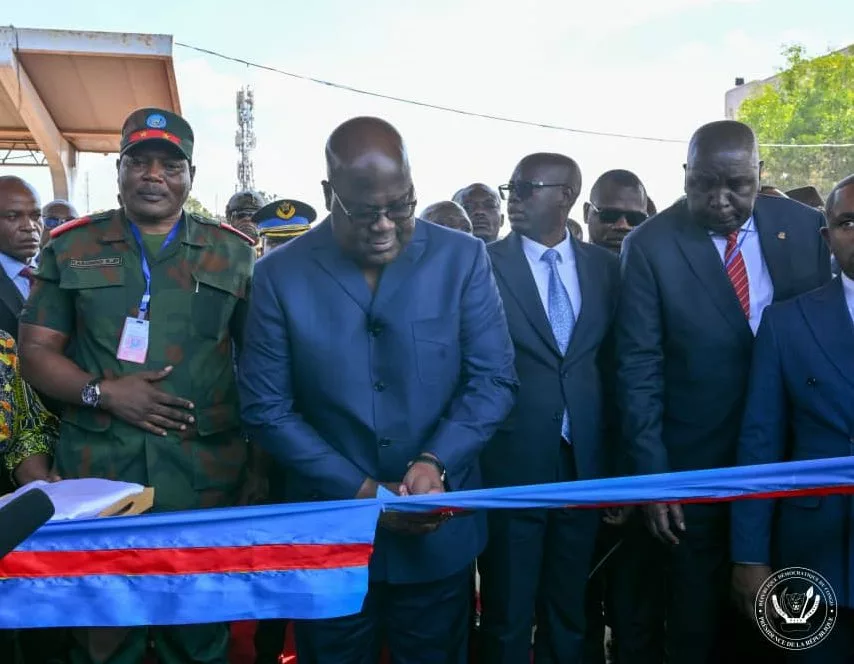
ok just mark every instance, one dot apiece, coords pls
pixel 306 560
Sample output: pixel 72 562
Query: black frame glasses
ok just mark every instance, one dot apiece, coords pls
pixel 397 213
pixel 525 188
pixel 613 215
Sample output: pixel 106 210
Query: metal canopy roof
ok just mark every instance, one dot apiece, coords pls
pixel 65 91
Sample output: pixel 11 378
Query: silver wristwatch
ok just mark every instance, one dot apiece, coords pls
pixel 91 394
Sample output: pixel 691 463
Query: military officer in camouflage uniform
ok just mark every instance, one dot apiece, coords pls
pixel 154 300
pixel 240 209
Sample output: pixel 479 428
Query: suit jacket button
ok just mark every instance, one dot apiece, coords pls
pixel 558 416
pixel 375 329
pixel 384 442
pixel 379 386
pixel 564 373
pixel 811 382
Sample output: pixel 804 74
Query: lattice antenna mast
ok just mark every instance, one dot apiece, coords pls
pixel 245 139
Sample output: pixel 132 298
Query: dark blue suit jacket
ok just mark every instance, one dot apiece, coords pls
pixel 800 406
pixel 526 448
pixel 683 342
pixel 339 384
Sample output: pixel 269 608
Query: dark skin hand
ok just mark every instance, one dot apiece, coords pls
pixel 664 520
pixel 421 478
pixel 135 399
pixel 35 468
pixel 617 516
pixel 746 580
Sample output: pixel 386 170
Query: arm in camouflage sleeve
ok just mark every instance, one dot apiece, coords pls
pixel 267 399
pixel 47 322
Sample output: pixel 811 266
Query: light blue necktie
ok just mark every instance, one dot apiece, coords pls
pixel 561 316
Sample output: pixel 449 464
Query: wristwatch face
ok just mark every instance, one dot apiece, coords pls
pixel 91 394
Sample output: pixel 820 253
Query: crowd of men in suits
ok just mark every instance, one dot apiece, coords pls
pixel 379 349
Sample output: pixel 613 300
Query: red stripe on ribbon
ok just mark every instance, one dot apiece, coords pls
pixel 185 560
pixel 153 133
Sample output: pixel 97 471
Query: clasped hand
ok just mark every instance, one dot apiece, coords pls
pixel 421 478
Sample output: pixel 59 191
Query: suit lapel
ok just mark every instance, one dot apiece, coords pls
pixel 706 264
pixel 402 268
pixel 587 282
pixel 9 294
pixel 775 249
pixel 826 314
pixel 520 282
pixel 337 265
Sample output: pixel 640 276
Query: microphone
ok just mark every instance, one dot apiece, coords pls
pixel 23 516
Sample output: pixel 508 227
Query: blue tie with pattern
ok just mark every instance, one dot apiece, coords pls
pixel 561 316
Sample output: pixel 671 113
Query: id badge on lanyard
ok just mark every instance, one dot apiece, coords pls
pixel 133 344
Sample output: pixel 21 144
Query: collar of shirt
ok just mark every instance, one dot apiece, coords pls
pixel 746 227
pixel 534 250
pixel 12 266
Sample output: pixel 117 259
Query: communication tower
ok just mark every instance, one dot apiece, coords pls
pixel 245 139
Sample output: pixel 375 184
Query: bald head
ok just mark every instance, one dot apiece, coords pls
pixel 10 183
pixel 449 215
pixel 836 195
pixel 369 191
pixel 723 136
pixel 722 175
pixel 366 145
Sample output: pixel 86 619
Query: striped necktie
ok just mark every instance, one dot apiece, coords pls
pixel 737 272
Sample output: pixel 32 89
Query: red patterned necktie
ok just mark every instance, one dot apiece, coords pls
pixel 737 272
pixel 28 273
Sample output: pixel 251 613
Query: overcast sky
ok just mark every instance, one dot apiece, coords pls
pixel 653 68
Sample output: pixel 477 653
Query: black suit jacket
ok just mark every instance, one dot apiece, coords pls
pixel 683 343
pixel 526 448
pixel 11 304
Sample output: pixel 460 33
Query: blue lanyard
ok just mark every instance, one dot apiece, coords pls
pixel 743 233
pixel 146 270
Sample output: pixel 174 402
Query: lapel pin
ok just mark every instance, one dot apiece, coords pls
pixel 781 235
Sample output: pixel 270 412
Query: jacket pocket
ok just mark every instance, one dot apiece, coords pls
pixel 214 300
pixel 436 347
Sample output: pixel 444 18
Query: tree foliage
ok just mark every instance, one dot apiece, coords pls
pixel 810 102
pixel 195 206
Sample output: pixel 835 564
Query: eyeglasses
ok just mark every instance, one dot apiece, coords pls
pixel 613 215
pixel 525 188
pixel 396 212
pixel 52 222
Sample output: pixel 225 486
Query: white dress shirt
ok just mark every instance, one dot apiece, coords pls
pixel 566 268
pixel 848 289
pixel 760 286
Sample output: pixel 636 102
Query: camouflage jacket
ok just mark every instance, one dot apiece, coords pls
pixel 88 282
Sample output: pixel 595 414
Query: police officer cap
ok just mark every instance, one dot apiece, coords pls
pixel 157 124
pixel 284 218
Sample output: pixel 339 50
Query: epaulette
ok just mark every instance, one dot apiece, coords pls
pixel 80 221
pixel 68 225
pixel 243 236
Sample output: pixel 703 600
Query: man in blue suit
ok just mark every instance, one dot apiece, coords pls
pixel 560 296
pixel 380 355
pixel 696 279
pixel 799 406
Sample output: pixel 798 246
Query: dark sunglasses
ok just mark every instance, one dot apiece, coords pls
pixel 241 214
pixel 612 216
pixel 52 222
pixel 396 212
pixel 525 188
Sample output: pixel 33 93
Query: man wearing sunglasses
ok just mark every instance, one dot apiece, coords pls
pixel 380 357
pixel 617 204
pixel 55 214
pixel 560 296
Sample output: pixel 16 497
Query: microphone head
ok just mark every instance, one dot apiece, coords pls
pixel 23 516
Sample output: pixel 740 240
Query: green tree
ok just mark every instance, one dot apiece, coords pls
pixel 195 206
pixel 811 102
